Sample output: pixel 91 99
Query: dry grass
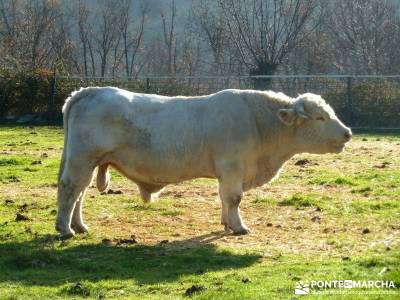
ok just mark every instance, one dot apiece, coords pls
pixel 192 209
pixel 325 208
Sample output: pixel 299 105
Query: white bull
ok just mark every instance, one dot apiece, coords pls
pixel 240 137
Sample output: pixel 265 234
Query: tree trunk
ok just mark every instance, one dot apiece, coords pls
pixel 85 59
pixel 263 69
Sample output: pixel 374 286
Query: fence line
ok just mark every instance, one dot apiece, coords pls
pixel 362 101
pixel 183 77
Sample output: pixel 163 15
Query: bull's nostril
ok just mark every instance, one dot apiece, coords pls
pixel 347 135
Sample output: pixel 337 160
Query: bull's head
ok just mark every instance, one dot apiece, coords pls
pixel 318 129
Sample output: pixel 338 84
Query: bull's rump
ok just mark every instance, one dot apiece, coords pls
pixel 154 139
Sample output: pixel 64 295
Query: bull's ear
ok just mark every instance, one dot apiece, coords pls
pixel 287 116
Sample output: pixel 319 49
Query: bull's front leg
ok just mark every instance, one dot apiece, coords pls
pixel 224 216
pixel 230 192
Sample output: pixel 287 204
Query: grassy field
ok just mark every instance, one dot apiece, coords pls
pixel 331 217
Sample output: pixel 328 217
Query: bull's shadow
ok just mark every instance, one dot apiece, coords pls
pixel 40 262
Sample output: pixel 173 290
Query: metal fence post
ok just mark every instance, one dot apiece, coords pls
pixel 350 101
pixel 51 106
pixel 147 85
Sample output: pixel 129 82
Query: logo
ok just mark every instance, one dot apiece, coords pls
pixel 302 288
pixel 321 286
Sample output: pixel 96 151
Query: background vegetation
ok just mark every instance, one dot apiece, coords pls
pixel 130 38
pixel 164 46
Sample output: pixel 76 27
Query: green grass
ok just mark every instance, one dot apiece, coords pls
pixel 298 201
pixel 334 218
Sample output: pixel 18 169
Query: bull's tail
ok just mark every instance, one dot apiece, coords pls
pixel 103 178
pixel 62 163
pixel 75 97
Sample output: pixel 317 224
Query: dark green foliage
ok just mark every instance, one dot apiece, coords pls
pixel 32 92
pixel 24 92
pixel 368 103
pixel 375 102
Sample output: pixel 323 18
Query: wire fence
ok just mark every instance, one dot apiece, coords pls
pixel 360 101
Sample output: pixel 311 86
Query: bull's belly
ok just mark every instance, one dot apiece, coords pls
pixel 160 170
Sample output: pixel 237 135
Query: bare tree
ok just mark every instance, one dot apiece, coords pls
pixel 82 15
pixel 264 32
pixel 132 35
pixel 63 49
pixel 9 22
pixel 365 33
pixel 86 37
pixel 170 39
pixel 36 33
pixel 222 37
pixel 315 53
pixel 189 59
pixel 211 22
pixel 40 19
pixel 107 33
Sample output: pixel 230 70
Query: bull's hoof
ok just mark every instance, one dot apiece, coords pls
pixel 66 236
pixel 148 200
pixel 65 233
pixel 242 231
pixel 226 228
pixel 80 228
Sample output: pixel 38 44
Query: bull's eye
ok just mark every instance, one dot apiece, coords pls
pixel 320 119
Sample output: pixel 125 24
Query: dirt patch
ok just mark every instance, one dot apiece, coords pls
pixel 21 217
pixel 194 289
pixel 383 165
pixel 112 192
pixel 302 162
pixel 316 219
pixel 120 241
pixel 366 230
pixel 23 207
pixel 246 280
pixel 8 202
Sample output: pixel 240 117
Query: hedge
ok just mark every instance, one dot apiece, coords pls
pixel 376 102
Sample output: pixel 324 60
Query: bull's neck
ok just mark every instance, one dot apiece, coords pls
pixel 277 139
pixel 282 143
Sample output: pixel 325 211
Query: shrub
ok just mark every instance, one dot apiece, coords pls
pixel 375 103
pixel 24 92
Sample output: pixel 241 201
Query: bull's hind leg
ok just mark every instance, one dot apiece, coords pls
pixel 73 182
pixel 230 192
pixel 149 192
pixel 77 223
